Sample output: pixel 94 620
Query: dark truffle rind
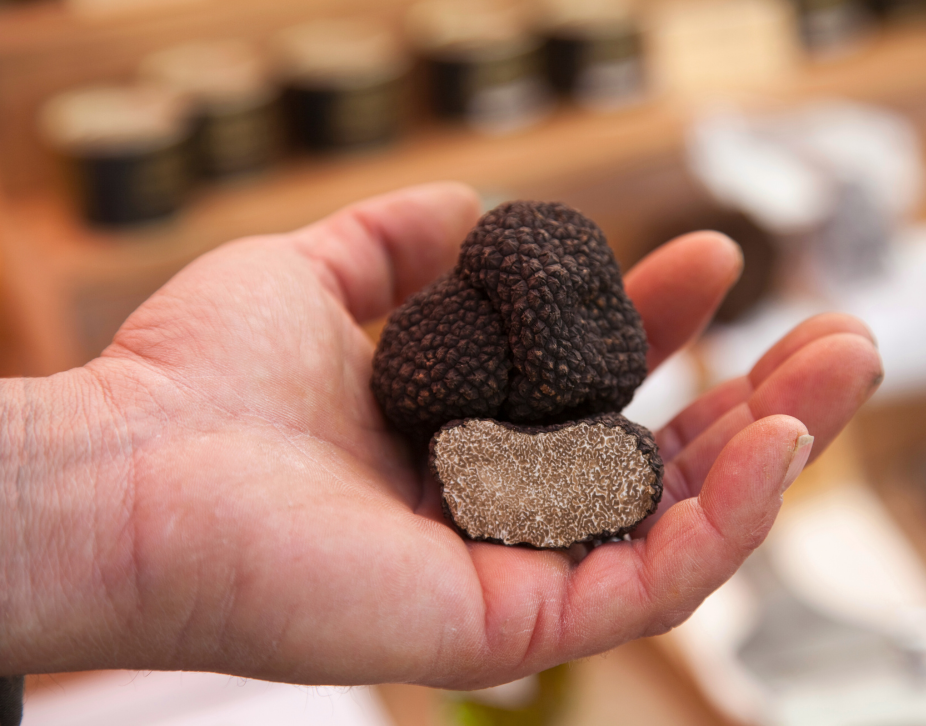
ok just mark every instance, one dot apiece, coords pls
pixel 533 324
pixel 442 355
pixel 576 341
pixel 505 511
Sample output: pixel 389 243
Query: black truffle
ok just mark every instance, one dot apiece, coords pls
pixel 529 347
pixel 532 325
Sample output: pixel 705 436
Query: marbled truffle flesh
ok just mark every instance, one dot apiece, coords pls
pixel 547 486
pixel 531 347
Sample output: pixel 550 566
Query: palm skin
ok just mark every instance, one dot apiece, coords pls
pixel 262 519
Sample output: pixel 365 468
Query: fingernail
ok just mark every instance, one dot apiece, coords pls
pixel 799 457
pixel 739 253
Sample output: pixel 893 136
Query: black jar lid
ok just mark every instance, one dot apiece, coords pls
pixel 339 53
pixel 114 119
pixel 213 74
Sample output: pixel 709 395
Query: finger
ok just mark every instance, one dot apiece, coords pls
pixel 683 429
pixel 680 431
pixel 540 609
pixel 523 592
pixel 701 542
pixel 678 287
pixel 823 385
pixel 373 254
pixel 810 330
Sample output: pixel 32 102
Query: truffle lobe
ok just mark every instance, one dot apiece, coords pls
pixel 549 487
pixel 442 355
pixel 577 343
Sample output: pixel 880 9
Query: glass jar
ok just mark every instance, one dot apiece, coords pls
pixel 830 25
pixel 484 65
pixel 127 148
pixel 344 83
pixel 594 51
pixel 235 105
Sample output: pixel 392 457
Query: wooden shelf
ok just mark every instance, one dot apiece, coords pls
pixel 570 145
pixel 62 261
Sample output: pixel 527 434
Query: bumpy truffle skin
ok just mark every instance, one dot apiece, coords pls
pixel 587 480
pixel 443 355
pixel 533 324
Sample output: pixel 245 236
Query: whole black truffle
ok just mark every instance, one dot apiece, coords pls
pixel 522 356
pixel 532 325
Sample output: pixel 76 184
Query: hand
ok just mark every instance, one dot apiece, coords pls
pixel 238 503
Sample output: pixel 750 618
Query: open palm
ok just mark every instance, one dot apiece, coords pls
pixel 272 525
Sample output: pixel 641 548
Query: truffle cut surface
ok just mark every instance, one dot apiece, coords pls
pixel 547 487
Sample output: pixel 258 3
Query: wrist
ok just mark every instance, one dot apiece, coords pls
pixel 66 555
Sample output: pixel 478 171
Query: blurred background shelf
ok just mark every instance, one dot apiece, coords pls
pixel 70 285
pixel 47 47
pixel 59 257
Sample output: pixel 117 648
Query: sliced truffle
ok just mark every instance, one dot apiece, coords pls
pixel 547 486
pixel 532 325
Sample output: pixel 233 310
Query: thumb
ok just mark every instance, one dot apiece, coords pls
pixel 375 253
